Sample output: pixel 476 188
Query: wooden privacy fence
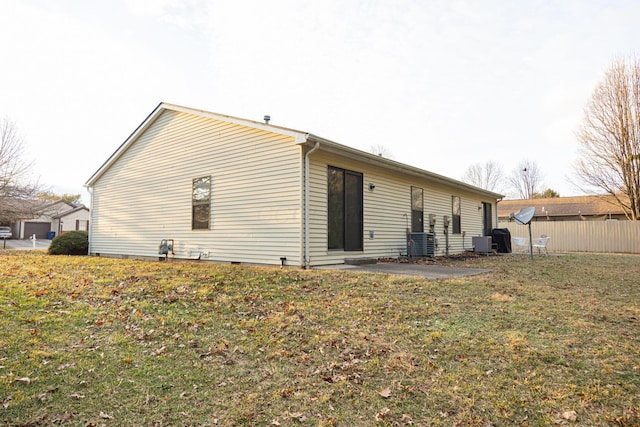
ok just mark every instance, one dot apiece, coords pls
pixel 583 236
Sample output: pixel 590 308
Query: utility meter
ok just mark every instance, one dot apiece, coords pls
pixel 166 246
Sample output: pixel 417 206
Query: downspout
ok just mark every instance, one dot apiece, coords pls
pixel 90 191
pixel 307 259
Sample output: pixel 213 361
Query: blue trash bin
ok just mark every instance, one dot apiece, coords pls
pixel 51 235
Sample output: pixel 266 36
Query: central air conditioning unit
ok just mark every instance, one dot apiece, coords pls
pixel 481 244
pixel 420 245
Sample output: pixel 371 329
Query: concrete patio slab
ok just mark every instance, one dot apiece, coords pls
pixel 424 270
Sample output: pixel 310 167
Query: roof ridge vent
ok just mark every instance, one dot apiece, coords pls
pixel 267 118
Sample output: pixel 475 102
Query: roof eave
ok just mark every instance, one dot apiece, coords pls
pixel 363 156
pixel 299 136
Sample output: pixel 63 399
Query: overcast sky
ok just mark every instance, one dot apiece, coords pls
pixel 442 84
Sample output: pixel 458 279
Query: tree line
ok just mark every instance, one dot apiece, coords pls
pixel 608 161
pixel 525 181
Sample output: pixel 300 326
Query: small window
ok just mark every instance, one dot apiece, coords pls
pixel 82 225
pixel 417 210
pixel 455 214
pixel 201 203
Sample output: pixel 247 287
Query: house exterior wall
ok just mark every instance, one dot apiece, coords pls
pixel 69 222
pixel 387 211
pixel 256 193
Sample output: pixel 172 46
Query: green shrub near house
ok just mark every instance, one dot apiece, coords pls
pixel 70 243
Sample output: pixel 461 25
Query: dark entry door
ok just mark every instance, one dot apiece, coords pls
pixel 487 218
pixel 353 211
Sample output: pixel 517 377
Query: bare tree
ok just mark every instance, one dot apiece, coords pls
pixel 489 176
pixel 17 189
pixel 381 150
pixel 609 158
pixel 526 179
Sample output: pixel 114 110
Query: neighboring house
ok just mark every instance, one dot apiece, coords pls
pixel 76 219
pixel 57 217
pixel 578 208
pixel 234 190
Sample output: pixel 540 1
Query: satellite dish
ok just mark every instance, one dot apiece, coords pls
pixel 525 216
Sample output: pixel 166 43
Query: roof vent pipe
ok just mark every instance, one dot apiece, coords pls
pixel 266 119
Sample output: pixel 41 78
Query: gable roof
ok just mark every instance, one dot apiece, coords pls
pixel 563 206
pixel 301 137
pixel 70 211
pixel 49 205
pixel 163 106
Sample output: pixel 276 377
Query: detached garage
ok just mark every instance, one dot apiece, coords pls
pixel 40 229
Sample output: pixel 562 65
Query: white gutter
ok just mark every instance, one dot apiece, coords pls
pixel 90 191
pixel 307 259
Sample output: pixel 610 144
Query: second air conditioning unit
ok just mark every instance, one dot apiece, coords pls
pixel 420 244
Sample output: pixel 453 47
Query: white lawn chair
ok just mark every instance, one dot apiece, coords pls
pixel 540 244
pixel 520 244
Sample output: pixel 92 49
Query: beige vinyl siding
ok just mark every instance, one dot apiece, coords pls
pixel 69 221
pixel 471 223
pixel 145 196
pixel 387 211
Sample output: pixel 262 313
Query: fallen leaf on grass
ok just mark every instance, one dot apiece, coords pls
pixel 77 396
pixel 407 420
pixel 6 402
pixel 382 414
pixel 65 366
pixel 570 415
pixel 502 297
pixel 25 380
pixel 298 416
pixel 159 351
pixel 385 392
pixel 105 416
pixel 63 418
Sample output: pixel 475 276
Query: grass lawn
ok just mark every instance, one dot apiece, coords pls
pixel 95 341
